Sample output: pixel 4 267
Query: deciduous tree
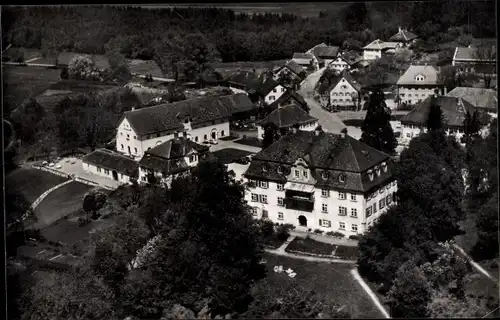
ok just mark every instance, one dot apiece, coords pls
pixel 271 134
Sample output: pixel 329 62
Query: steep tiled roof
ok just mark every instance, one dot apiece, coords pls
pixel 348 77
pixel 263 85
pixel 478 97
pixel 288 97
pixel 403 35
pixel 169 117
pixel 351 57
pixel 453 109
pixel 287 116
pixel 472 54
pixel 301 55
pixel 430 73
pixel 144 67
pixel 328 52
pixel 381 45
pixel 294 67
pixel 238 102
pixel 323 152
pixel 113 161
pixel 168 157
pixel 101 61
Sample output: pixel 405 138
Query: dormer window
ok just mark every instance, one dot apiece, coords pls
pixel 378 170
pixel 342 178
pixel 370 174
pixel 325 175
pixel 384 166
pixel 419 77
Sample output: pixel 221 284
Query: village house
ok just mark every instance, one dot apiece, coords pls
pixel 345 61
pixel 404 38
pixel 265 90
pixel 318 180
pixel 306 60
pixel 171 159
pixel 481 98
pixel 202 119
pixel 454 111
pixel 289 97
pixel 111 165
pixel 287 117
pixel 144 68
pixel 345 92
pixel 418 83
pixel 242 80
pixel 325 54
pixel 290 68
pixel 377 48
pixel 470 58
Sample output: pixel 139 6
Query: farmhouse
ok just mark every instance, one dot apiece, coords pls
pixel 291 68
pixel 318 180
pixel 481 98
pixel 403 38
pixel 143 68
pixel 200 119
pixel 454 110
pixel 242 80
pixel 418 83
pixel 289 97
pixel 324 53
pixel 287 117
pixel 345 92
pixel 112 165
pixel 265 89
pixel 470 58
pixel 306 60
pixel 171 159
pixel 377 48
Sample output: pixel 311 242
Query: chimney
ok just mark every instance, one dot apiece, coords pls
pixel 343 133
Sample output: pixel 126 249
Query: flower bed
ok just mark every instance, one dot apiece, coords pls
pixel 310 247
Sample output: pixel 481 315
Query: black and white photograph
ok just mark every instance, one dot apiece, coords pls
pixel 300 160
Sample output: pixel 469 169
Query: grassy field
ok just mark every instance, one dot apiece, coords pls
pixel 20 83
pixel 229 155
pixel 31 183
pixel 61 202
pixel 332 283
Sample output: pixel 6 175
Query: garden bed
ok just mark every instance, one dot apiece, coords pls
pixel 308 246
pixel 250 141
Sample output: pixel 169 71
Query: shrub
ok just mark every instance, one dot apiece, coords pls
pixel 309 230
pixel 338 234
pixel 282 233
pixel 318 231
pixel 330 233
pixel 266 228
pixel 354 237
pixel 289 226
pixel 494 264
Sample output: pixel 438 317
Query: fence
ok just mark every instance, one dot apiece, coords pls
pixel 47 169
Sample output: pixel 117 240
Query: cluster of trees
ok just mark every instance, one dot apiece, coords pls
pixel 192 249
pixel 85 120
pixel 197 36
pixel 404 252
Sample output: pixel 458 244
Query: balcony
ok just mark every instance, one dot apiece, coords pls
pixel 299 204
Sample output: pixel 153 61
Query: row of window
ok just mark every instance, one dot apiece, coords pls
pixel 423 95
pixel 106 171
pixel 262 198
pixel 382 203
pixel 341 100
pixel 381 190
pixel 342 210
pixel 341 94
pixel 282 89
pixel 128 136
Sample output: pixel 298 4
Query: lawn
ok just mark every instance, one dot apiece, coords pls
pixel 31 183
pixel 309 245
pixel 20 83
pixel 61 202
pixel 230 155
pixel 250 141
pixel 332 283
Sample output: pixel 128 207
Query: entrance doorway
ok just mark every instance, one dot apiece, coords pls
pixel 115 175
pixel 214 135
pixel 302 221
pixel 129 150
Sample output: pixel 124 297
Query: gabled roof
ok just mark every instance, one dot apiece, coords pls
pixel 351 57
pixel 326 52
pixel 144 67
pixel 169 117
pixel 101 61
pixel 301 55
pixel 478 97
pixel 348 77
pixel 244 78
pixel 108 159
pixel 403 35
pixel 239 102
pixel 323 152
pixel 287 116
pixel 474 54
pixel 263 85
pixel 288 97
pixel 454 110
pixel 430 73
pixel 168 157
pixel 381 45
pixel 294 67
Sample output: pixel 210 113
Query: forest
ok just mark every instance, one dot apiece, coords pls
pixel 188 38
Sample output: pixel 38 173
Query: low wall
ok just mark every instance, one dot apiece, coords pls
pixel 48 169
pixel 326 256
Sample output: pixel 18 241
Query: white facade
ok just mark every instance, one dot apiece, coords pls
pixel 107 173
pixel 343 93
pixel 338 64
pixel 305 127
pixel 274 94
pixel 334 210
pixel 128 142
pixel 191 159
pixel 372 54
pixel 410 131
pixel 413 95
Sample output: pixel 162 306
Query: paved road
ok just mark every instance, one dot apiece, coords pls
pixel 328 121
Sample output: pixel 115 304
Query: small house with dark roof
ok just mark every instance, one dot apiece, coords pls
pixel 344 61
pixel 265 89
pixel 324 53
pixel 292 68
pixel 306 60
pixel 470 58
pixel 110 164
pixel 318 180
pixel 289 97
pixel 404 37
pixel 377 48
pixel 345 92
pixel 454 110
pixel 200 119
pixel 481 98
pixel 242 80
pixel 171 159
pixel 143 68
pixel 287 117
pixel 418 83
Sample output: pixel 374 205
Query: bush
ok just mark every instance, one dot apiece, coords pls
pixel 266 228
pixel 330 233
pixel 338 234
pixel 318 231
pixel 282 233
pixel 289 226
pixel 309 230
pixel 494 264
pixel 354 237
